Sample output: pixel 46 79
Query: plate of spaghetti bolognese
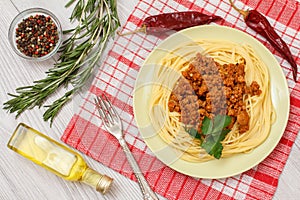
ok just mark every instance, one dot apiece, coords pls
pixel 211 101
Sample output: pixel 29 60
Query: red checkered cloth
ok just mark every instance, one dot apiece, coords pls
pixel 117 76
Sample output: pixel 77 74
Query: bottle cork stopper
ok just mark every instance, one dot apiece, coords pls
pixel 104 184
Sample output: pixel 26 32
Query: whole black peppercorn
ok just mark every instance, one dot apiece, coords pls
pixel 35 34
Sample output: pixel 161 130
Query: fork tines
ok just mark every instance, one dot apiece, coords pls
pixel 106 110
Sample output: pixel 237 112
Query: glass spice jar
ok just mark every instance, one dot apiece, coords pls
pixel 35 34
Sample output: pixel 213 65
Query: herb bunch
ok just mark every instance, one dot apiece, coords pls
pixel 97 22
pixel 213 133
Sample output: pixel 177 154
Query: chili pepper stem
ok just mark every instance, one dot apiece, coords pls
pixel 140 30
pixel 242 12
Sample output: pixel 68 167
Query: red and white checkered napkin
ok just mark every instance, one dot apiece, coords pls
pixel 117 77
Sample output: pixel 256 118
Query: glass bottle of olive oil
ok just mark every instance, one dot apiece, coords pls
pixel 56 157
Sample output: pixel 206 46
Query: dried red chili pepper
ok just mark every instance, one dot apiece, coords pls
pixel 261 25
pixel 174 21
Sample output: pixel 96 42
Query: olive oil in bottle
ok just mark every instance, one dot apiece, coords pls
pixel 56 157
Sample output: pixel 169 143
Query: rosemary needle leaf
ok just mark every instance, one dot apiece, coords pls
pixel 97 21
pixel 55 107
pixel 69 3
pixel 68 31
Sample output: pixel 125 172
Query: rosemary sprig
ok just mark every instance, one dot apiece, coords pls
pixel 97 22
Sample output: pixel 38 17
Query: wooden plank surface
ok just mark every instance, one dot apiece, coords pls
pixel 21 179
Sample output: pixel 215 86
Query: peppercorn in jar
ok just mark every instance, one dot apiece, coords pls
pixel 35 34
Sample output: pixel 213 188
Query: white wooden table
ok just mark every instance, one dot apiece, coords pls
pixel 22 179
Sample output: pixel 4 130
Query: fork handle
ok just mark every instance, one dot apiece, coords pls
pixel 148 194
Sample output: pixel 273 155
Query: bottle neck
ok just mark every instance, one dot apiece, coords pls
pixel 99 181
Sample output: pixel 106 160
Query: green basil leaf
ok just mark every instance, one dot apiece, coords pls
pixel 212 147
pixel 207 126
pixel 193 132
pixel 220 122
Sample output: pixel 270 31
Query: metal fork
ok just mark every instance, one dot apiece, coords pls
pixel 113 124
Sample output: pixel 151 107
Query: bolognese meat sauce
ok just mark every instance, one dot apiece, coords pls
pixel 207 88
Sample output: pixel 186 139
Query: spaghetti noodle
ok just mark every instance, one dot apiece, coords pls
pixel 259 107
